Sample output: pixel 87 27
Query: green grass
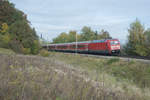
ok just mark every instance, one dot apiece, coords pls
pixel 58 98
pixel 6 51
pixel 112 60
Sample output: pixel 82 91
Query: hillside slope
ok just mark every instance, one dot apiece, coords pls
pixel 69 77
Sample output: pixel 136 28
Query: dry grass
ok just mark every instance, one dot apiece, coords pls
pixel 62 77
pixel 131 77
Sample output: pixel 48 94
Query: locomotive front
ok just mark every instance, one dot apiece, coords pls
pixel 114 46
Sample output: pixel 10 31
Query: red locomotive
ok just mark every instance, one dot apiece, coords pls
pixel 105 46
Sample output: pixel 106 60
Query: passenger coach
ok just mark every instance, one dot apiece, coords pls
pixel 105 46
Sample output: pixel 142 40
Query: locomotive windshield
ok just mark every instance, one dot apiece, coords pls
pixel 114 42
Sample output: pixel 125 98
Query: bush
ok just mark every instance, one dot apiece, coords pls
pixel 44 53
pixel 26 50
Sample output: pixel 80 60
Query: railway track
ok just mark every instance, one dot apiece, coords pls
pixel 125 58
pixel 137 58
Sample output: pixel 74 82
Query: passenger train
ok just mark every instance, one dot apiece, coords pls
pixel 105 46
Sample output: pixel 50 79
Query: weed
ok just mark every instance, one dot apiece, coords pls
pixel 112 60
pixel 70 77
pixel 44 53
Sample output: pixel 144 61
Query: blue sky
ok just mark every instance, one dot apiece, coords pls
pixel 51 17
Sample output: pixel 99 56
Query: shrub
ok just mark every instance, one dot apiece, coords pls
pixel 26 50
pixel 44 53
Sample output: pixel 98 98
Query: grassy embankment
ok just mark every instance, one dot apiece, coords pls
pixel 131 77
pixel 72 77
pixel 6 51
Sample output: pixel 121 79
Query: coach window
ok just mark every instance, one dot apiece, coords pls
pixel 74 46
pixel 80 46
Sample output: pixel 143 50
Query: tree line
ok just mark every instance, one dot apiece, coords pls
pixel 15 30
pixel 86 34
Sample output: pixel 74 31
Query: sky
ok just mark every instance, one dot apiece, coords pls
pixel 51 17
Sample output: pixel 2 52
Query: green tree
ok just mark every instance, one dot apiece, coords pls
pixel 87 34
pixel 24 35
pixel 104 35
pixel 62 38
pixel 147 35
pixel 96 35
pixel 15 30
pixel 136 39
pixel 9 14
pixel 72 36
pixel 35 47
pixel 147 42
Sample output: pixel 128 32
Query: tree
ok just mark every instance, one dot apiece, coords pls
pixel 147 35
pixel 136 39
pixel 147 42
pixel 96 35
pixel 104 35
pixel 9 14
pixel 87 34
pixel 15 30
pixel 4 28
pixel 5 37
pixel 62 38
pixel 72 36
pixel 24 35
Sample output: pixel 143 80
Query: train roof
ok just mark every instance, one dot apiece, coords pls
pixel 68 43
pixel 101 41
pixel 83 42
